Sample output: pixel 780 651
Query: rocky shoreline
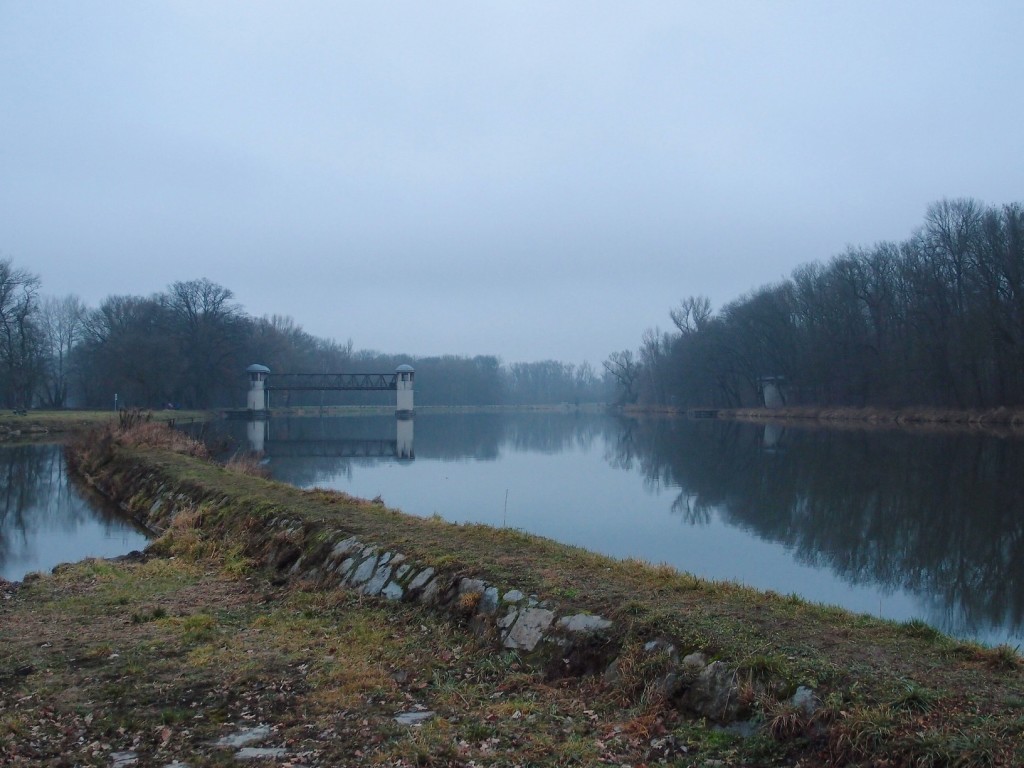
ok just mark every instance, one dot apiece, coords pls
pixel 555 636
pixel 719 672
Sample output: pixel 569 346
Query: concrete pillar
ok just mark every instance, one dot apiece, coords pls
pixel 257 399
pixel 404 378
pixel 771 391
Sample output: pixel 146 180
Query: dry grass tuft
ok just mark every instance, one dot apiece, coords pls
pixel 247 463
pixel 136 428
pixel 468 602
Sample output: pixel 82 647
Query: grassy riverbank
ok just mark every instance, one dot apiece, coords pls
pixel 162 658
pixel 907 417
pixel 41 424
pixel 217 643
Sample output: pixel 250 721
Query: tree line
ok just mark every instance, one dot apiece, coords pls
pixel 934 320
pixel 188 346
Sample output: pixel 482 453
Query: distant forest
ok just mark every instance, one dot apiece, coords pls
pixel 935 320
pixel 190 345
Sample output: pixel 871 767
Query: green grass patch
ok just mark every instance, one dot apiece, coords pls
pixel 882 683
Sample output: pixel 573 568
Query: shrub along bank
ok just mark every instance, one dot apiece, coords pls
pixel 803 682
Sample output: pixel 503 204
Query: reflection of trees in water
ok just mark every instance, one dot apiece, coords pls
pixel 22 469
pixel 691 509
pixel 38 496
pixel 938 515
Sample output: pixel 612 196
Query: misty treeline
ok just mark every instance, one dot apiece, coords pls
pixel 189 347
pixel 935 320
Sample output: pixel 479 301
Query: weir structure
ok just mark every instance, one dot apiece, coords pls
pixel 262 382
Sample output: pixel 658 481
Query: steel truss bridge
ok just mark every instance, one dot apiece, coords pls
pixel 331 382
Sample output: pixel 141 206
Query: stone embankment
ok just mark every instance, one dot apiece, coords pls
pixel 552 635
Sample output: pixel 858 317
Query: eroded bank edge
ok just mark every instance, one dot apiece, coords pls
pixel 547 634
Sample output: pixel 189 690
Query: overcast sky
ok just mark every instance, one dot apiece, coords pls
pixel 527 179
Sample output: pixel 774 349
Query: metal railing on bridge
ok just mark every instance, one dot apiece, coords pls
pixel 331 381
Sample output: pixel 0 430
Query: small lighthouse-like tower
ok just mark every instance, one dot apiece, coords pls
pixel 257 399
pixel 405 376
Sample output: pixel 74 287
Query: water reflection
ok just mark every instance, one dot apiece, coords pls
pixel 45 520
pixel 894 523
pixel 941 516
pixel 307 437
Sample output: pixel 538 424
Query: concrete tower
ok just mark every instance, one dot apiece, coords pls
pixel 404 381
pixel 257 400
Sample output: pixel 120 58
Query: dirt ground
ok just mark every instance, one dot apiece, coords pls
pixel 168 662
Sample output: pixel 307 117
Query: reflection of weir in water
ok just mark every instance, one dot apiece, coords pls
pixel 258 434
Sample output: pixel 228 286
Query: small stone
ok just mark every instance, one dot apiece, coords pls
pixel 694 662
pixel 244 737
pixel 393 591
pixel 364 571
pixel 385 558
pixel 471 587
pixel 529 629
pixel 612 675
pixel 402 571
pixel 654 646
pixel 380 578
pixel 422 578
pixel 513 596
pixel 123 759
pixel 509 619
pixel 342 548
pixel 260 753
pixel 713 693
pixel 429 594
pixel 583 622
pixel 346 566
pixel 489 602
pixel 413 718
pixel 805 700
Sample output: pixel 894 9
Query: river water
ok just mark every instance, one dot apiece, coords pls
pixel 892 523
pixel 45 519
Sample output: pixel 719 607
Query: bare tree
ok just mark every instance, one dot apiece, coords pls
pixel 20 337
pixel 207 325
pixel 126 350
pixel 62 321
pixel 625 369
pixel 692 314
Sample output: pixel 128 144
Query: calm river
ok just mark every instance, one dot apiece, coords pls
pixel 891 523
pixel 46 520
